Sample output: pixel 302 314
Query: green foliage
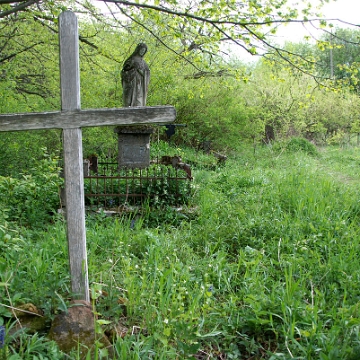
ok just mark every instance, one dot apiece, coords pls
pixel 214 111
pixel 196 34
pixel 10 242
pixel 301 144
pixel 29 63
pixel 339 56
pixel 100 141
pixel 34 198
pixel 227 103
pixel 30 347
pixel 264 267
pixel 21 151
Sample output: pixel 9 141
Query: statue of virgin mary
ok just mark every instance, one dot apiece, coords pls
pixel 135 77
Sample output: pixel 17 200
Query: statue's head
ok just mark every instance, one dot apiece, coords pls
pixel 141 49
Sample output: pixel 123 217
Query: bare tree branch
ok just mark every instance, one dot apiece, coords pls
pixel 30 92
pixel 158 38
pixel 2 2
pixel 202 74
pixel 20 7
pixel 187 14
pixel 8 57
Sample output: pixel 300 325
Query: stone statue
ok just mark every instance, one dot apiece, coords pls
pixel 135 77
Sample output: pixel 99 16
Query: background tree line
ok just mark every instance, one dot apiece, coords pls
pixel 310 92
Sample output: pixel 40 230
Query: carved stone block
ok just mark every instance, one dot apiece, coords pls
pixel 133 147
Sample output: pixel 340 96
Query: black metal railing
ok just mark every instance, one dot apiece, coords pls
pixel 111 187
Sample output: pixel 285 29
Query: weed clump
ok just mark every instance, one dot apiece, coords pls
pixel 300 144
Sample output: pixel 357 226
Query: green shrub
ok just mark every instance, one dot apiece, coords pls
pixel 20 151
pixel 34 198
pixel 300 144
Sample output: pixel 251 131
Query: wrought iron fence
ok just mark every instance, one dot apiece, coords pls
pixel 111 187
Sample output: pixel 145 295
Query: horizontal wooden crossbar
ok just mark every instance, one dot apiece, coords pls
pixel 87 118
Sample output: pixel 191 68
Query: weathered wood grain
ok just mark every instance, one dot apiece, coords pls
pixel 75 213
pixel 73 156
pixel 86 118
pixel 69 61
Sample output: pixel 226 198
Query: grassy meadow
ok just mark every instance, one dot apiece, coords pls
pixel 261 264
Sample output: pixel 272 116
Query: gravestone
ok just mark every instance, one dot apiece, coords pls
pixel 133 147
pixel 71 119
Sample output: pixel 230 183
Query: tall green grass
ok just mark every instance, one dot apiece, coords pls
pixel 263 264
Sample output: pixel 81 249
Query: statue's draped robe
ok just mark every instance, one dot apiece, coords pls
pixel 135 77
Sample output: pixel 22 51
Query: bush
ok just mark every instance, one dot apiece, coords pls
pixel 34 198
pixel 300 144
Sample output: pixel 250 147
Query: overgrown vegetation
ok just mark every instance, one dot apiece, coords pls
pixel 32 199
pixel 227 102
pixel 261 265
pixel 258 262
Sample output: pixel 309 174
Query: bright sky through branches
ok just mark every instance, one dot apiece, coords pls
pixel 340 13
pixel 348 11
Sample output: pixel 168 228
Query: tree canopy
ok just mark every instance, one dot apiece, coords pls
pixel 219 97
pixel 198 32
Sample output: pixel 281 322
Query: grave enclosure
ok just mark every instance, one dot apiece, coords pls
pixel 71 119
pixel 116 190
pixel 135 177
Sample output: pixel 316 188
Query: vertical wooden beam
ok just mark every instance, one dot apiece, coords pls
pixel 73 156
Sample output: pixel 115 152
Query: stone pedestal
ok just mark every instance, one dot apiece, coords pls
pixel 133 146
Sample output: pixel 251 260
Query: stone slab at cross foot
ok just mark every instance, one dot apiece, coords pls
pixel 71 119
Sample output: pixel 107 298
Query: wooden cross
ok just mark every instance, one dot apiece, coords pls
pixel 71 119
